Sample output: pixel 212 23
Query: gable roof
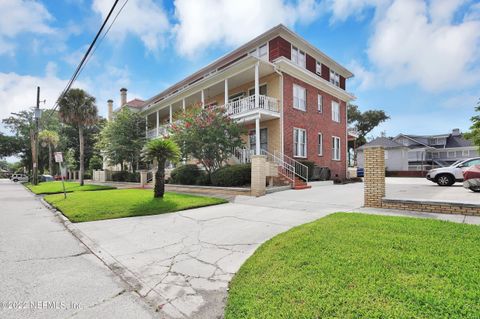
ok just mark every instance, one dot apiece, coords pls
pixel 135 103
pixel 382 141
pixel 242 52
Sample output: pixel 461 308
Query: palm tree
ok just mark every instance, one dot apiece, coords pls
pixel 78 108
pixel 50 139
pixel 161 150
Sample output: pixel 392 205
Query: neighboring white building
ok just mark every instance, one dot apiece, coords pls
pixel 396 155
pixel 423 152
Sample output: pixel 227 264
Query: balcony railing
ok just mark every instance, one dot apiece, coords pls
pixel 162 130
pixel 248 104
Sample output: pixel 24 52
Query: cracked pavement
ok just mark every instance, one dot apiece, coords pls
pixel 42 262
pixel 182 263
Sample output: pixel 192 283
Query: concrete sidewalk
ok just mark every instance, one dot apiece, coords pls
pixel 45 272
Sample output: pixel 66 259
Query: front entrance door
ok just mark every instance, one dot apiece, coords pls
pixel 263 139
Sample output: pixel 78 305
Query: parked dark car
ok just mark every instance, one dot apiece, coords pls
pixel 471 178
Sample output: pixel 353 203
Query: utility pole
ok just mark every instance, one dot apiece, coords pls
pixel 35 140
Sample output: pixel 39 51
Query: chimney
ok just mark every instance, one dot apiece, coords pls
pixel 456 132
pixel 109 110
pixel 123 96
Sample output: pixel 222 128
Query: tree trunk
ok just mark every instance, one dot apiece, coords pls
pixel 82 155
pixel 50 162
pixel 159 180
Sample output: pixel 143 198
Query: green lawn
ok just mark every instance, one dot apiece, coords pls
pixel 56 187
pixel 362 266
pixel 88 206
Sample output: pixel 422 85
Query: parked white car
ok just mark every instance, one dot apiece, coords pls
pixel 447 176
pixel 19 178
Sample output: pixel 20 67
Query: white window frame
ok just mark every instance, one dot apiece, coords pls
pixel 464 153
pixel 297 100
pixel 320 144
pixel 256 52
pixel 336 146
pixel 335 111
pixel 450 154
pixel 320 103
pixel 334 78
pixel 318 67
pixel 385 154
pixel 297 144
pixel 296 55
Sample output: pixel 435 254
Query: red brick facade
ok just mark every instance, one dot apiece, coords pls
pixel 314 122
pixel 279 47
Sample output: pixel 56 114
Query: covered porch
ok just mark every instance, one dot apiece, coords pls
pixel 249 90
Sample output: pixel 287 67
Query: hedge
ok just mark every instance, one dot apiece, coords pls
pixel 234 175
pixel 189 174
pixel 124 176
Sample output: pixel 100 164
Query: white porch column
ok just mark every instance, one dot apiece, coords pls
pixel 226 92
pixel 203 99
pixel 146 125
pixel 257 120
pixel 183 105
pixel 158 123
pixel 257 135
pixel 171 114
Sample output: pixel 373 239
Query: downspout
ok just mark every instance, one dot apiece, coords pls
pixel 281 107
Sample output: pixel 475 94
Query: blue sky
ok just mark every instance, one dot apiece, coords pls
pixel 417 60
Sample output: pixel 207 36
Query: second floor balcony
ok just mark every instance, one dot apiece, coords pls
pixel 246 106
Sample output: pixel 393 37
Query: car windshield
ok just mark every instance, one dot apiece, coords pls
pixel 456 163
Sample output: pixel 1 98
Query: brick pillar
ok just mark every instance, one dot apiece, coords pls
pixel 259 166
pixel 374 165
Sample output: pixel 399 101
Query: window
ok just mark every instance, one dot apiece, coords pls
pixel 451 154
pixel 465 153
pixel 385 154
pixel 260 52
pixel 320 103
pixel 318 68
pixel 335 112
pixel 298 57
pixel 334 78
pixel 299 98
pixel 236 97
pixel 320 144
pixel 262 89
pixel 299 142
pixel 335 148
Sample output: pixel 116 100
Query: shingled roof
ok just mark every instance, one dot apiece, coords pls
pixel 381 141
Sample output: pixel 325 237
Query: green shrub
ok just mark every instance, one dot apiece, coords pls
pixel 234 175
pixel 187 174
pixel 124 176
pixel 310 166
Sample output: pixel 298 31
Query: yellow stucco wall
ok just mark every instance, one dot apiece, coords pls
pixel 273 129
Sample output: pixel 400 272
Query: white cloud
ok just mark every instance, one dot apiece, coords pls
pixel 204 23
pixel 408 47
pixel 22 16
pixel 419 42
pixel 364 79
pixel 142 18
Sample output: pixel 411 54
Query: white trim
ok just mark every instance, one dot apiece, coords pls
pixel 319 103
pixel 320 144
pixel 295 97
pixel 305 145
pixel 336 118
pixel 287 66
pixel 334 158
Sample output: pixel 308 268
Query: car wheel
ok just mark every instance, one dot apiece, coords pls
pixel 15 180
pixel 445 180
pixel 475 189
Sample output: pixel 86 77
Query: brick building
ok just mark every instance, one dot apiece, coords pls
pixel 291 97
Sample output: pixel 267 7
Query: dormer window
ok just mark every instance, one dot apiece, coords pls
pixel 260 52
pixel 318 68
pixel 298 57
pixel 334 78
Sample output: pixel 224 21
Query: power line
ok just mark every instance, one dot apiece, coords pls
pixel 104 35
pixel 85 56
